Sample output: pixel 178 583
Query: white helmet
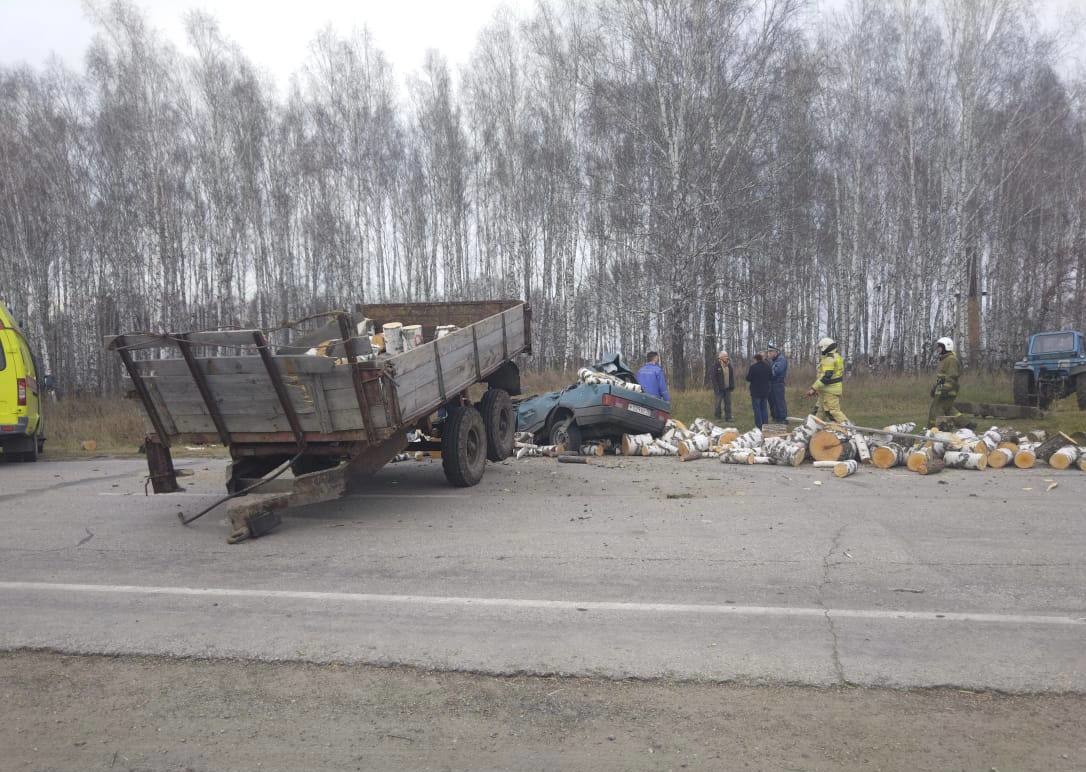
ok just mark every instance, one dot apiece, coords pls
pixel 946 343
pixel 826 344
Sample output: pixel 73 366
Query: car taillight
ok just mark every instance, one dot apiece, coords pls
pixel 22 391
pixel 610 400
pixel 662 415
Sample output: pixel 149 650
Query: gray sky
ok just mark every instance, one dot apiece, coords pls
pixel 275 34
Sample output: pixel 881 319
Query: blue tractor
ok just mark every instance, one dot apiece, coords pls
pixel 1054 367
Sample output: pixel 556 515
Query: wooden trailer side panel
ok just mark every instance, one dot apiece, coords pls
pixel 325 402
pixel 429 375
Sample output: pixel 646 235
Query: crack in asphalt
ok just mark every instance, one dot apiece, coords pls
pixel 835 653
pixel 67 484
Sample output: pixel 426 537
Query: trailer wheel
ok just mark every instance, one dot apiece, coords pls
pixel 500 422
pixel 463 446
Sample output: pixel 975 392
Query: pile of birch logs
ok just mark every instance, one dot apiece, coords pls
pixel 843 449
pixel 587 375
pixel 998 448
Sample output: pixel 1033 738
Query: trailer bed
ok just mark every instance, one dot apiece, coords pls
pixel 270 403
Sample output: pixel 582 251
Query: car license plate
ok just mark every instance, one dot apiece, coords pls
pixel 638 409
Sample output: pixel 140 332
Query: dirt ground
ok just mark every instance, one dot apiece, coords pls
pixel 87 713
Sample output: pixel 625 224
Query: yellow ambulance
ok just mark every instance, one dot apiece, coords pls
pixel 22 427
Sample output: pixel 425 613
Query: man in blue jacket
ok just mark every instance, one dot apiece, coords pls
pixel 778 408
pixel 651 377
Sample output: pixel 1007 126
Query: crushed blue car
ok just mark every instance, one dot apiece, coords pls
pixel 593 411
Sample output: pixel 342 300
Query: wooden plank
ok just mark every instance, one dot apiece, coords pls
pixel 163 409
pixel 224 338
pixel 430 315
pixel 247 365
pixel 135 341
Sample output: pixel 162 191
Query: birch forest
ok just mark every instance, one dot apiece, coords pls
pixel 678 175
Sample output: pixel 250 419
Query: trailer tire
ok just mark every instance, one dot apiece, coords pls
pixel 463 446
pixel 501 423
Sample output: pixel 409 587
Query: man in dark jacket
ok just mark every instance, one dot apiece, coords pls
pixel 760 377
pixel 778 407
pixel 722 376
pixel 651 377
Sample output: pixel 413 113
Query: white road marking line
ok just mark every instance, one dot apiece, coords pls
pixel 349 496
pixel 555 605
pixel 141 495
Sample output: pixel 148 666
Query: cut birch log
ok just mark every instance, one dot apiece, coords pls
pixel 411 336
pixel 752 439
pixel 930 466
pixel 1000 457
pixel 728 436
pixel 1082 460
pixel 775 430
pixel 632 444
pixel 863 452
pixel 660 448
pixel 737 456
pixel 697 455
pixel 535 451
pixel 586 375
pixel 831 445
pixel 919 458
pixel 960 459
pixel 888 456
pixel 704 426
pixel 572 460
pixel 825 464
pixel 1025 458
pixel 1064 457
pixel 444 329
pixel 592 449
pixel 845 468
pixel 393 335
pixel 1054 443
pixel 784 452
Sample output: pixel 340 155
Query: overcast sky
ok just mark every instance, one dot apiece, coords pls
pixel 275 35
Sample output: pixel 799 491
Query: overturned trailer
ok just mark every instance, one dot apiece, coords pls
pixel 336 418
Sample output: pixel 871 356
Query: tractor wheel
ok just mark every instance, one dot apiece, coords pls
pixel 463 446
pixel 501 423
pixel 1080 390
pixel 1023 382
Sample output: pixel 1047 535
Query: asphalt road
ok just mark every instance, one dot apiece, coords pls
pixel 639 568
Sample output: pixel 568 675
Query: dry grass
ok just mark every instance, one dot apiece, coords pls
pixel 882 400
pixel 116 425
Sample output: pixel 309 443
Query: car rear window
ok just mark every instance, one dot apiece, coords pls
pixel 1054 344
